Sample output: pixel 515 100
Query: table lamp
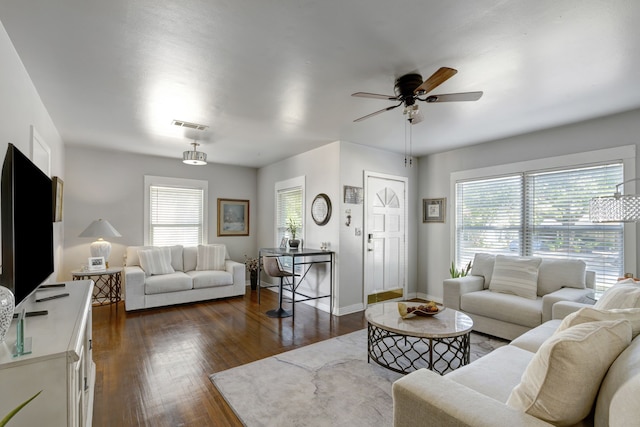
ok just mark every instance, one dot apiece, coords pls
pixel 100 228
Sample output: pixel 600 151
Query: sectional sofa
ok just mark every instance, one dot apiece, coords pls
pixel 582 370
pixel 160 276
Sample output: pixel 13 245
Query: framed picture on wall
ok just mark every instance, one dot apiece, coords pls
pixel 57 198
pixel 433 210
pixel 233 217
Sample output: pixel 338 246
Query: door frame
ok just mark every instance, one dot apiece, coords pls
pixel 365 229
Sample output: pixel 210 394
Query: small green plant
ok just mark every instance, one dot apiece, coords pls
pixel 459 273
pixel 5 420
pixel 292 227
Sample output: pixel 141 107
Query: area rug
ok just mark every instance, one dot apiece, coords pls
pixel 328 383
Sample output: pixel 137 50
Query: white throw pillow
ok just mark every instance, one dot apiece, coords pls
pixel 620 296
pixel 592 314
pixel 211 257
pixel 156 261
pixel 483 266
pixel 516 275
pixel 562 380
pixel 554 274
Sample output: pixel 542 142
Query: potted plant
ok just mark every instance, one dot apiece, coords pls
pixel 252 268
pixel 455 273
pixel 293 227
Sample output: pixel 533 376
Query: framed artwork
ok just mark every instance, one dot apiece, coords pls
pixel 57 198
pixel 433 210
pixel 233 217
pixel 96 263
pixel 352 195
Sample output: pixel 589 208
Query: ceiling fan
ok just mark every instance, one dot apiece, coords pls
pixel 410 88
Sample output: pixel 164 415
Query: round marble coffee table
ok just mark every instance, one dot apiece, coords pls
pixel 440 342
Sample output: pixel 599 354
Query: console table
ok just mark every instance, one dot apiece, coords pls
pixel 303 259
pixel 60 363
pixel 107 284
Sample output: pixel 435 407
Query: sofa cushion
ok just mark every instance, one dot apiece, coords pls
pixel 516 275
pixel 210 278
pixel 171 282
pixel 533 339
pixel 494 374
pixel 483 266
pixel 554 274
pixel 156 261
pixel 505 307
pixel 621 295
pixel 132 257
pixel 620 389
pixel 211 257
pixel 562 381
pixel 592 314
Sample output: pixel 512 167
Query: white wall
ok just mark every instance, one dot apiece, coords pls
pixel 436 240
pixel 20 109
pixel 110 185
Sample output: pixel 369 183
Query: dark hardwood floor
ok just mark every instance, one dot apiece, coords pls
pixel 153 366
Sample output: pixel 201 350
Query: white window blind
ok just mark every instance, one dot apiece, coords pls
pixel 289 206
pixel 543 213
pixel 176 213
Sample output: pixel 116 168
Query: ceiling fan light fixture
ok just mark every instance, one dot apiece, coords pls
pixel 194 157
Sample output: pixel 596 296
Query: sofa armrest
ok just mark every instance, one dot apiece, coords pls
pixel 424 397
pixel 134 278
pixel 561 309
pixel 238 271
pixel 562 294
pixel 455 288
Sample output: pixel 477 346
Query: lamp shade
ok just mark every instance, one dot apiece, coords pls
pixel 100 228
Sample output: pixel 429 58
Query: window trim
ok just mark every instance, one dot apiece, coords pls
pixel 151 180
pixel 626 154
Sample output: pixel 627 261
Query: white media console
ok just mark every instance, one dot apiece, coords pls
pixel 60 363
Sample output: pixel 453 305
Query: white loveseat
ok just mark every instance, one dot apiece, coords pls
pixel 160 276
pixel 583 370
pixel 519 294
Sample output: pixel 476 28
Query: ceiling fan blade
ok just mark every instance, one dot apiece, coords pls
pixel 377 112
pixel 375 96
pixel 452 97
pixel 436 79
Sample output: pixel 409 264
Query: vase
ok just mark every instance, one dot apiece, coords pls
pixel 294 243
pixel 7 306
pixel 253 275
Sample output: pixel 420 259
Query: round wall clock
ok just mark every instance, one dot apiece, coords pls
pixel 321 209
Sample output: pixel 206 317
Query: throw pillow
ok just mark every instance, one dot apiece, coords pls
pixel 211 257
pixel 156 261
pixel 591 314
pixel 554 274
pixel 515 275
pixel 483 266
pixel 561 382
pixel 620 296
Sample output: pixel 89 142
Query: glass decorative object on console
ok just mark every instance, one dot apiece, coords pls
pixel 7 306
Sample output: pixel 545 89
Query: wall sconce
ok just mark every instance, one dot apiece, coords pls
pixel 348 212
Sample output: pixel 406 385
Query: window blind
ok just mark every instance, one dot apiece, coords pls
pixel 542 213
pixel 176 216
pixel 289 206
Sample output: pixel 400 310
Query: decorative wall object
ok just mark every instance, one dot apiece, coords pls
pixel 433 210
pixel 353 195
pixel 58 187
pixel 233 217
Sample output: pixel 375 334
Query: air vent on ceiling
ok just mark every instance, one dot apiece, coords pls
pixel 189 125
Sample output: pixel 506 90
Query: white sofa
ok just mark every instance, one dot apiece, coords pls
pixel 500 308
pixel 584 375
pixel 185 280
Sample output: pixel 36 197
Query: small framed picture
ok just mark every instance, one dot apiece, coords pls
pixel 433 210
pixel 283 243
pixel 58 186
pixel 233 217
pixel 96 263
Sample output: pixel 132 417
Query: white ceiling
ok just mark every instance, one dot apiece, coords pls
pixel 273 79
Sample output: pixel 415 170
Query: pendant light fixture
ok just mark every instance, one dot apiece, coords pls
pixel 194 157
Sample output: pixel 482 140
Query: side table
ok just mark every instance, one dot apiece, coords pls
pixel 107 284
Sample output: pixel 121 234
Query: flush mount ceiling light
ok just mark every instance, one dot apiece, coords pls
pixel 194 157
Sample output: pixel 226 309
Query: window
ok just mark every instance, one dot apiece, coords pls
pixel 175 211
pixel 542 213
pixel 289 205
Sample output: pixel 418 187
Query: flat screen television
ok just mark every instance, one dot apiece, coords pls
pixel 26 206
